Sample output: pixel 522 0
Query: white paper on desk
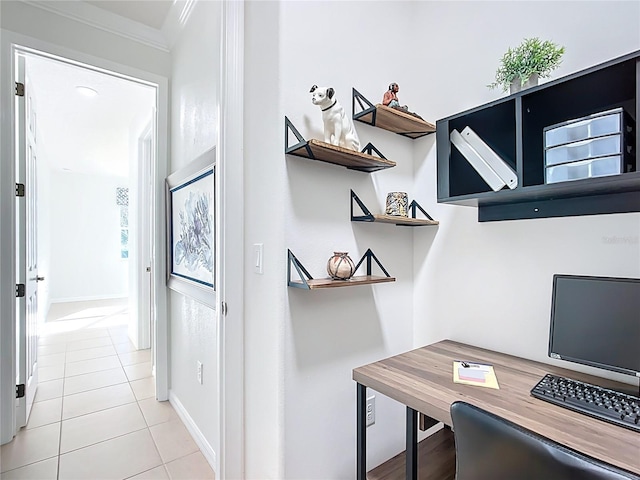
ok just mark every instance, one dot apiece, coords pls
pixel 477 374
pixel 472 374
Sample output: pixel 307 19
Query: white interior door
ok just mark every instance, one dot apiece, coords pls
pixel 149 154
pixel 27 255
pixel 142 259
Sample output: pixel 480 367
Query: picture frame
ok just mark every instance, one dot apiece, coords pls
pixel 191 233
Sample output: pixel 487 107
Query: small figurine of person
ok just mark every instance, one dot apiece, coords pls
pixel 390 99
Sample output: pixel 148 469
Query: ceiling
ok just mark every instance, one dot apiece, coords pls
pixel 92 135
pixel 86 134
pixel 148 12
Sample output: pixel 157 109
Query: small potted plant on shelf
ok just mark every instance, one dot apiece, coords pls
pixel 521 67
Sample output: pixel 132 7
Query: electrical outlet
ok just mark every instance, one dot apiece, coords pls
pixel 200 373
pixel 371 410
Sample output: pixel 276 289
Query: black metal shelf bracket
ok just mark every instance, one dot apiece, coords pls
pixel 302 272
pixel 415 205
pixel 368 216
pixel 369 149
pixel 414 135
pixel 288 126
pixel 364 110
pixel 369 255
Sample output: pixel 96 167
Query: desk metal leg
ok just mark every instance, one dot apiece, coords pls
pixel 361 432
pixel 412 444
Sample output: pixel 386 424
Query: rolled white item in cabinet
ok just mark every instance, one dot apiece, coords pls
pixel 494 161
pixel 486 172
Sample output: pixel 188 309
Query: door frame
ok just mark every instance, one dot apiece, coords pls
pixel 10 44
pixel 142 286
pixel 230 301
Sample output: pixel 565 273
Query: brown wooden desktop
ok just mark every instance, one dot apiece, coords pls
pixel 422 379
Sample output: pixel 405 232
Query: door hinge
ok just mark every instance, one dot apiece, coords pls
pixel 20 390
pixel 223 308
pixel 20 290
pixel 19 89
pixel 19 189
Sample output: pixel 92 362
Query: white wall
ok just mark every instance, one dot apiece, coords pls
pixel 308 342
pixel 329 333
pixel 85 236
pixel 265 178
pixel 194 124
pixel 487 284
pixel 490 283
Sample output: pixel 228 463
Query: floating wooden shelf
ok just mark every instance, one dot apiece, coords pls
pixel 316 150
pixel 396 220
pixel 402 221
pixel 391 119
pixel 352 282
pixel 307 282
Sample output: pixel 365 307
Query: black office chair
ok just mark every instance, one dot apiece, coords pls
pixel 489 447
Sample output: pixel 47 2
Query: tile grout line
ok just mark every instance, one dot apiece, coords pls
pixel 103 441
pixel 96 388
pixel 64 378
pixel 101 410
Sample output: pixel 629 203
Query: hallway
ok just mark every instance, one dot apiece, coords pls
pixel 95 415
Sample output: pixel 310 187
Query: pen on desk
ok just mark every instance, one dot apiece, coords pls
pixel 473 364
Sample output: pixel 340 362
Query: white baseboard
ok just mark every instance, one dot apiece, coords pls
pixel 87 299
pixel 201 441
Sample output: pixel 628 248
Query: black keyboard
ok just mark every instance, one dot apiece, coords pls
pixel 604 404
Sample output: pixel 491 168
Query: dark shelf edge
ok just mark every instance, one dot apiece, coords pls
pixel 623 202
pixel 627 182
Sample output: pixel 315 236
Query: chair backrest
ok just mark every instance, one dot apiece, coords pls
pixel 489 447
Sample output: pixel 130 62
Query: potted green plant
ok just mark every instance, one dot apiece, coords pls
pixel 521 67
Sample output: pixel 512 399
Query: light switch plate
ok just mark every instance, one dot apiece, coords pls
pixel 258 251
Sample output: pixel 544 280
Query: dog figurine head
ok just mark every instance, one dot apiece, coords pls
pixel 338 127
pixel 321 96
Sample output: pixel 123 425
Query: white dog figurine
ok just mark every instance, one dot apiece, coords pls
pixel 338 128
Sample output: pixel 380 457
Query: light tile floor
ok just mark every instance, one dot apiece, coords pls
pixel 95 416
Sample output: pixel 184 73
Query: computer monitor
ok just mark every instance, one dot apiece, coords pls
pixel 596 321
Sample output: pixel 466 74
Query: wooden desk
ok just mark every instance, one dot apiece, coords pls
pixel 422 379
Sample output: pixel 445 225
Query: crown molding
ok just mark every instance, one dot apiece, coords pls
pixel 107 21
pixel 176 20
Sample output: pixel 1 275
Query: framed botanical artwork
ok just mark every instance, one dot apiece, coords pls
pixel 191 229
